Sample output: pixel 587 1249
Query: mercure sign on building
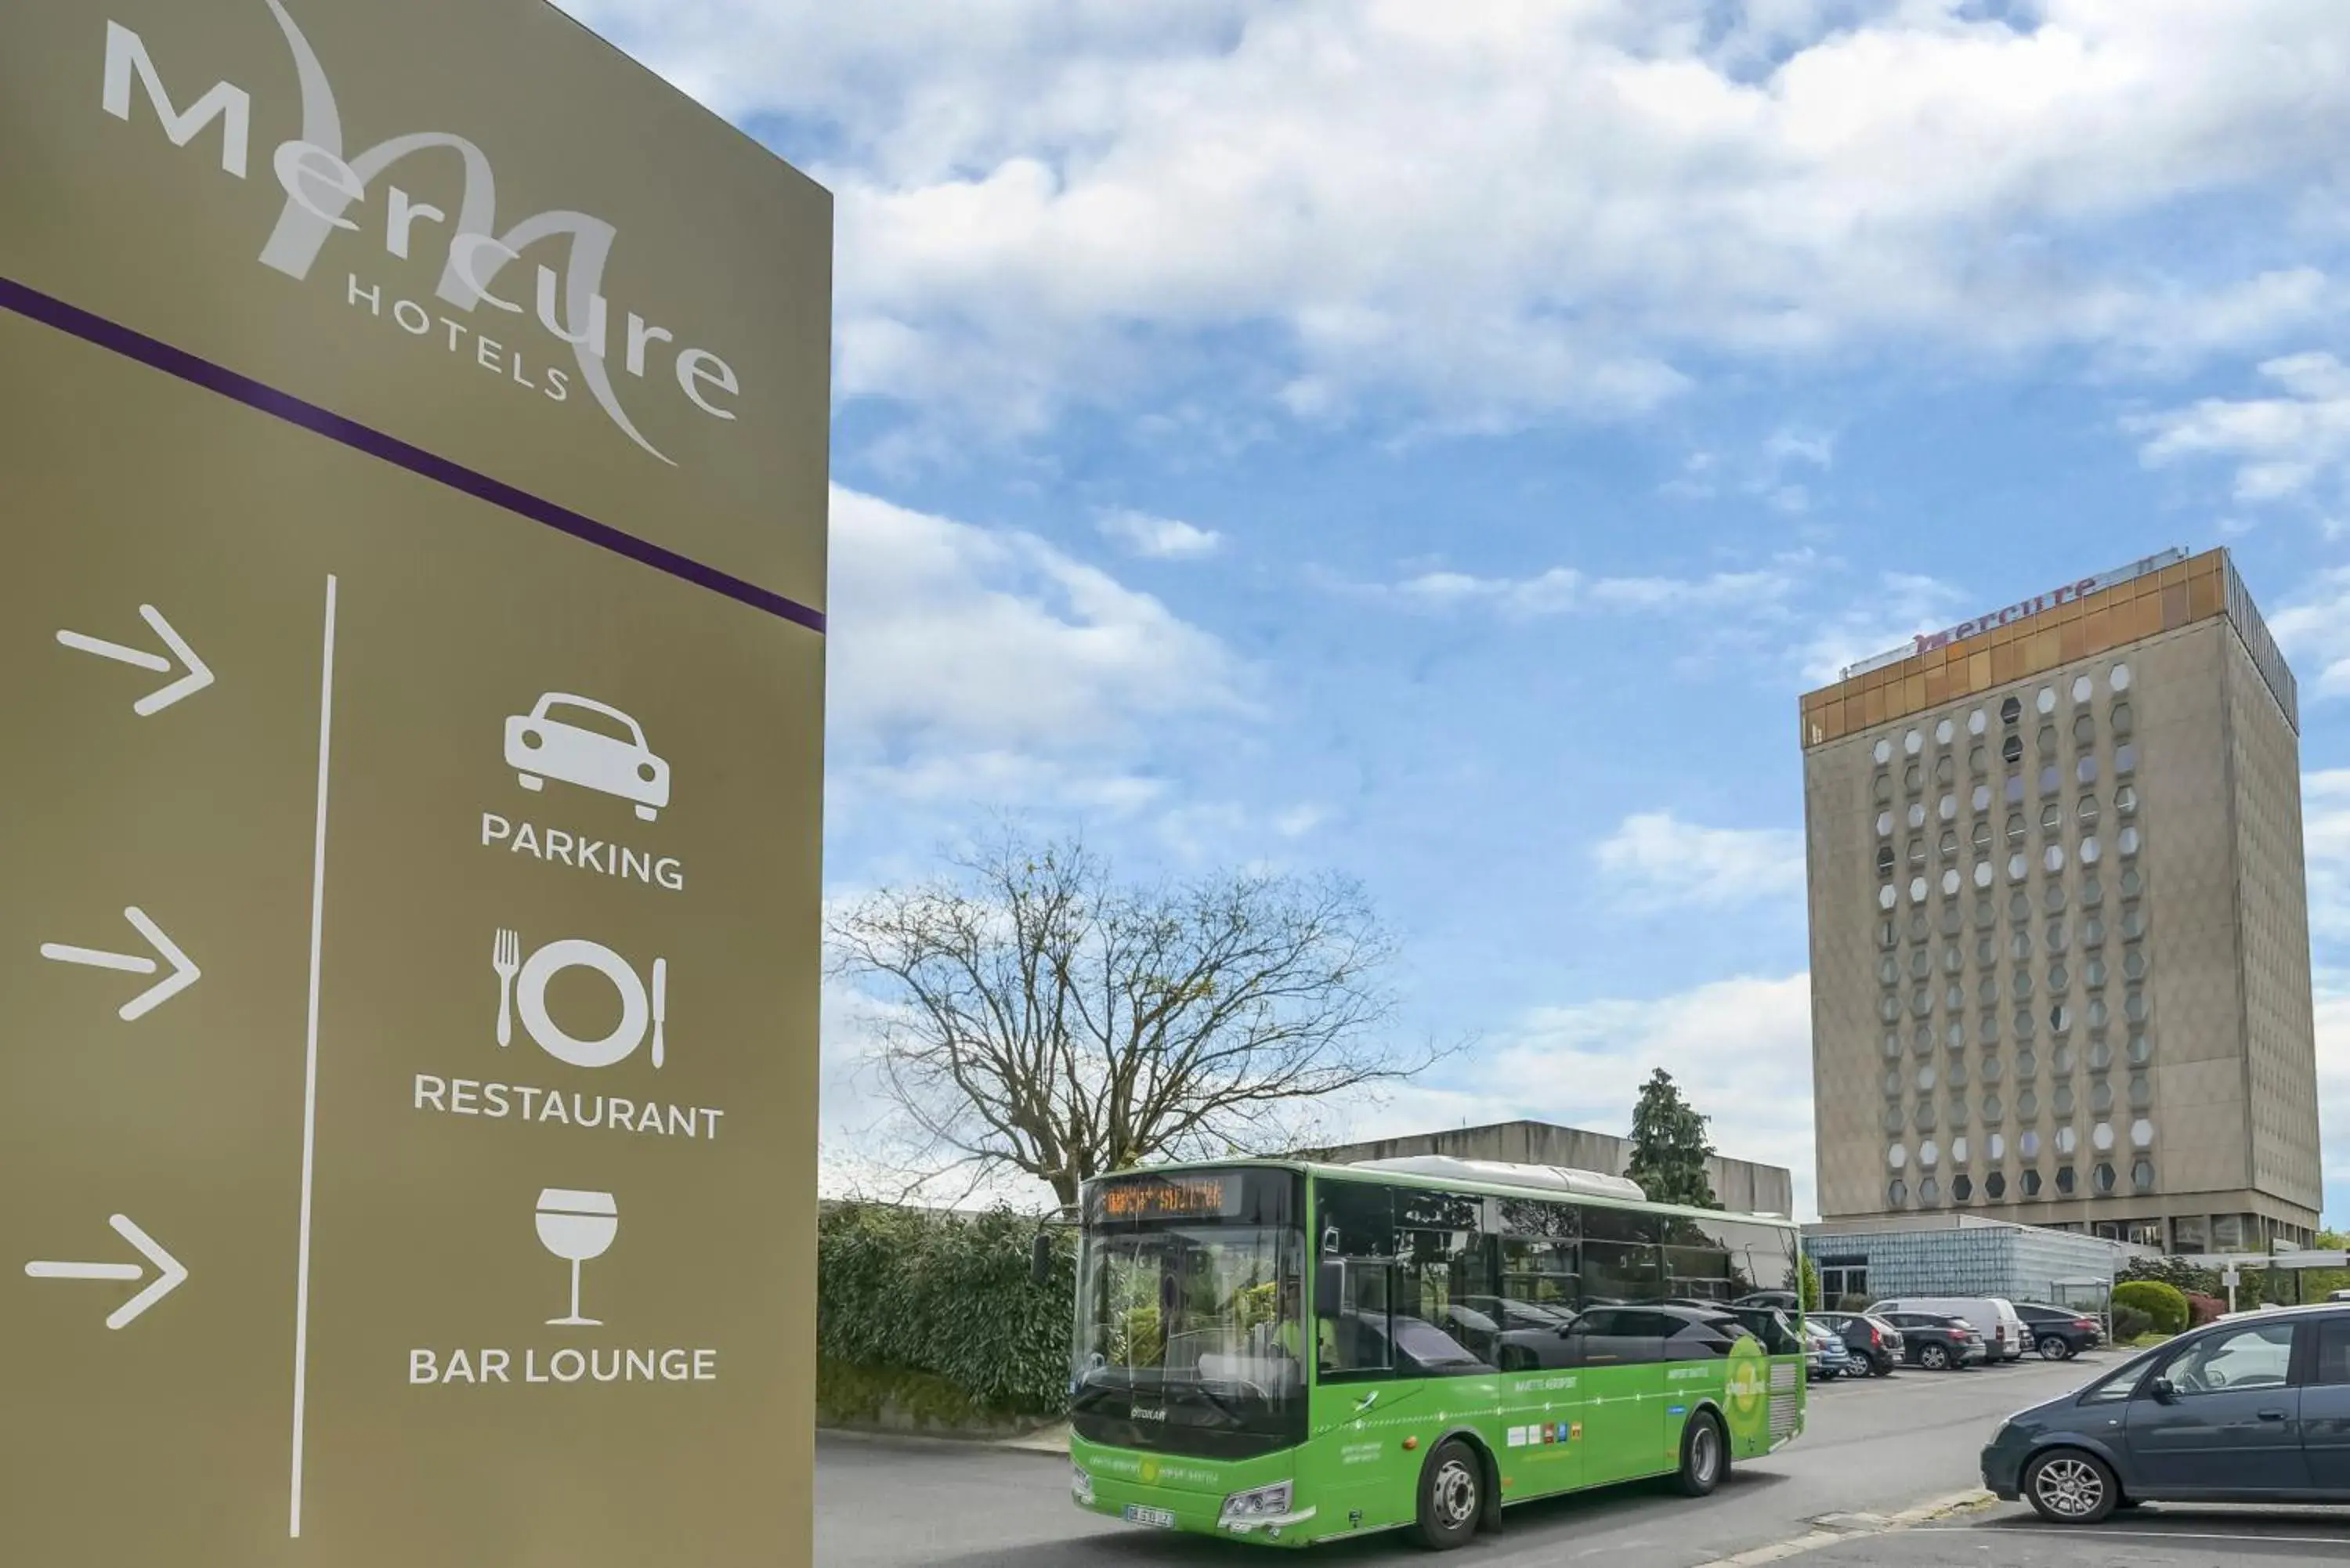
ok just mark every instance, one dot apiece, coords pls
pixel 2063 594
pixel 412 428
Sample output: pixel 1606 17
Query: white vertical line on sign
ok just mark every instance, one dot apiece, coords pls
pixel 310 1065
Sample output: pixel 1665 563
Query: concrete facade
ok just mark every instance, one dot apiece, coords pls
pixel 2059 921
pixel 1739 1186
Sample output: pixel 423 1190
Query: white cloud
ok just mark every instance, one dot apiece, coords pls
pixel 1904 604
pixel 1550 592
pixel 1762 476
pixel 1658 860
pixel 1501 212
pixel 2314 628
pixel 1697 481
pixel 1300 820
pixel 1789 445
pixel 1741 1050
pixel 2281 445
pixel 1161 538
pixel 1561 590
pixel 983 663
pixel 2333 1074
pixel 2325 832
pixel 2325 849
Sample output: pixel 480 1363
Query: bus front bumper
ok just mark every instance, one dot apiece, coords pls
pixel 1246 1515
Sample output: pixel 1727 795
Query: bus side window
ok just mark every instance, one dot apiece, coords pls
pixel 1621 1264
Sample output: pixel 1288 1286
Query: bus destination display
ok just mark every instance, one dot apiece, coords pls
pixel 1214 1196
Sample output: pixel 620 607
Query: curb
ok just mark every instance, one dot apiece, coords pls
pixel 1860 1527
pixel 1053 1442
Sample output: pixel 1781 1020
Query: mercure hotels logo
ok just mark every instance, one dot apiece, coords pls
pixel 567 309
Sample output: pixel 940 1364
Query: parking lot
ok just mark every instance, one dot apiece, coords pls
pixel 1874 1448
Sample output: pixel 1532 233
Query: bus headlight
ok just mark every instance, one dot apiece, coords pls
pixel 1248 1509
pixel 1081 1485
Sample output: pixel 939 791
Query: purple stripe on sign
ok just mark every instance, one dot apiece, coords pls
pixel 37 307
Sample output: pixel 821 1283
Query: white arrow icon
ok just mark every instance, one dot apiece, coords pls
pixel 183 973
pixel 169 1273
pixel 199 674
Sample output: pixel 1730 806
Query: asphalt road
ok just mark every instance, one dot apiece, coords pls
pixel 1872 1447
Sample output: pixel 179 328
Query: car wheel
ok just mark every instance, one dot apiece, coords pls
pixel 2069 1487
pixel 1934 1357
pixel 2053 1348
pixel 530 781
pixel 1451 1496
pixel 1704 1457
pixel 1884 1368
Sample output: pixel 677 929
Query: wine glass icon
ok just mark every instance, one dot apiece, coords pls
pixel 578 1226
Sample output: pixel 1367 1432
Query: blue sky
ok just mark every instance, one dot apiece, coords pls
pixel 1438 443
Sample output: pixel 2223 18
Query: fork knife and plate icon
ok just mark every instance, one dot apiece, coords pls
pixel 521 989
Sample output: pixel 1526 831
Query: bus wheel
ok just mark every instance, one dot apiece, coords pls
pixel 1704 1457
pixel 1451 1496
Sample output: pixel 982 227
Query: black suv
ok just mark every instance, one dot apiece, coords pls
pixel 2059 1333
pixel 1875 1343
pixel 1937 1344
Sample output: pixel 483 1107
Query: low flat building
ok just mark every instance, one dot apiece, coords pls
pixel 1954 1254
pixel 1739 1186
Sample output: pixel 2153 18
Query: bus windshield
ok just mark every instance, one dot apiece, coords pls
pixel 1188 1335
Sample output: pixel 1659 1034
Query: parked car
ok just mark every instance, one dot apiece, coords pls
pixel 1824 1356
pixel 1786 1301
pixel 2254 1409
pixel 1993 1317
pixel 2059 1333
pixel 1874 1342
pixel 1936 1342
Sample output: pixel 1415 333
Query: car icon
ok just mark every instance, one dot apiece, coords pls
pixel 542 745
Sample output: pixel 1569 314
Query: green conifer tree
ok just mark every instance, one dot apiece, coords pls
pixel 1670 1148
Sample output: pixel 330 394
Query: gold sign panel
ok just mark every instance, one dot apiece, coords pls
pixel 413 432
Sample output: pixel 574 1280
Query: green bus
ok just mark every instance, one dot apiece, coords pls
pixel 1288 1353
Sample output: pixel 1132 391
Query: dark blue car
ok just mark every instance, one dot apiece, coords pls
pixel 2253 1408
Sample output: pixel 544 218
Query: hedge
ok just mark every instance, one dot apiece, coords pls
pixel 2164 1306
pixel 909 1299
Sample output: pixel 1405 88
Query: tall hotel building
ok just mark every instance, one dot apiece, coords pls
pixel 2059 920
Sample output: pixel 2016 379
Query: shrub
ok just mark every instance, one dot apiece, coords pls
pixel 2130 1326
pixel 949 1296
pixel 2165 1307
pixel 2178 1273
pixel 2202 1309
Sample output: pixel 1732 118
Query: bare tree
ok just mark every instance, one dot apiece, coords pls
pixel 1039 1015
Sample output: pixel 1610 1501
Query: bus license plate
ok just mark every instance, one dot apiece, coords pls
pixel 1158 1517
